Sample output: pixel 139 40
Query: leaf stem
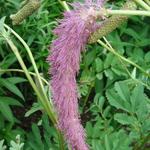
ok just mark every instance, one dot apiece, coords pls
pixel 64 4
pixel 22 71
pixel 32 61
pixel 128 12
pixel 16 52
pixel 123 58
pixel 148 2
pixel 143 4
pixel 43 97
pixel 134 79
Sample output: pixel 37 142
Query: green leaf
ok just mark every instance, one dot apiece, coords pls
pixel 108 61
pixel 37 136
pixel 132 33
pixel 96 145
pixel 2 146
pixel 2 29
pixel 125 119
pixel 99 65
pixel 119 70
pixel 122 90
pixel 89 58
pixel 115 100
pixel 109 74
pixel 16 80
pixel 6 111
pixel 11 87
pixel 106 111
pixel 10 101
pixel 99 100
pixel 107 145
pixel 99 76
pixel 36 107
pixel 8 61
pixel 147 57
pixel 136 97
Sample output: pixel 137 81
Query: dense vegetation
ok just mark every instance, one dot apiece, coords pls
pixel 114 87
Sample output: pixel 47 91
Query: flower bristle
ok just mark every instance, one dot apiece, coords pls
pixel 72 33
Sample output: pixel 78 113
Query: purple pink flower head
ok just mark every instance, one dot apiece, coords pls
pixel 72 35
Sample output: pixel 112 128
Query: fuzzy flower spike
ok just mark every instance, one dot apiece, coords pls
pixel 72 35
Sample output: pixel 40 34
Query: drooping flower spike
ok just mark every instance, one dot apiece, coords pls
pixel 72 35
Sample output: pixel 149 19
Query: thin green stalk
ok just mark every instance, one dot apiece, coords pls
pixel 143 4
pixel 123 58
pixel 45 100
pixel 16 52
pixel 33 63
pixel 64 4
pixel 87 96
pixel 50 114
pixel 148 2
pixel 128 12
pixel 22 71
pixel 134 79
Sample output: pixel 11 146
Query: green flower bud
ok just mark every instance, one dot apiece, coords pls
pixel 112 23
pixel 28 9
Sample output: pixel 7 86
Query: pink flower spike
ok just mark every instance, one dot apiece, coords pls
pixel 72 35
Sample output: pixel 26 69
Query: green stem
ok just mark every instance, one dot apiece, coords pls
pixel 123 58
pixel 32 61
pixel 34 66
pixel 16 52
pixel 128 72
pixel 148 2
pixel 143 4
pixel 45 100
pixel 20 70
pixel 64 4
pixel 112 23
pixel 128 12
pixel 86 98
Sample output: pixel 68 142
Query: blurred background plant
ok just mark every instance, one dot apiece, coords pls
pixel 115 95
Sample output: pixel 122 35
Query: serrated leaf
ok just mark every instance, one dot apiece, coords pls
pixel 122 90
pixel 108 61
pixel 115 100
pixel 109 74
pixel 99 100
pixel 99 76
pixel 99 64
pixel 96 145
pixel 89 58
pixel 125 119
pixel 89 129
pixel 119 70
pixel 136 97
pixel 106 111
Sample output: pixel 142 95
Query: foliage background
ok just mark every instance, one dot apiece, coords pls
pixel 115 95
